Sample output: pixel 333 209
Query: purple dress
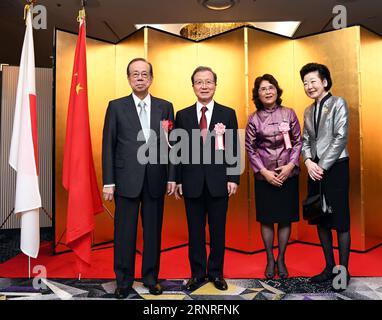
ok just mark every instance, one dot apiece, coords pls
pixel 266 148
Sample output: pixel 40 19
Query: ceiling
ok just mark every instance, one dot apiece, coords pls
pixel 112 20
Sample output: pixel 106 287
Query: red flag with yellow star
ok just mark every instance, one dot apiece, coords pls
pixel 79 177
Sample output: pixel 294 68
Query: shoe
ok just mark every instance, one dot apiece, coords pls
pixel 194 283
pixel 155 289
pixel 122 293
pixel 270 270
pixel 282 269
pixel 325 275
pixel 219 283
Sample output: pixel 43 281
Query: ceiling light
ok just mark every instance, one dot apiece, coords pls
pixel 218 4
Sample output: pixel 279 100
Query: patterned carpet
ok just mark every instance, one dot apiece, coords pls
pixel 10 242
pixel 295 288
pixel 239 289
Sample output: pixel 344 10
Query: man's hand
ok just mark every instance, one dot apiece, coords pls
pixel 271 177
pixel 314 170
pixel 108 193
pixel 178 192
pixel 171 188
pixel 284 171
pixel 232 188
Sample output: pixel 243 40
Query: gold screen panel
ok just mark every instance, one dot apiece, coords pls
pixel 225 54
pixel 101 89
pixel 268 53
pixel 126 50
pixel 339 50
pixel 371 115
pixel 173 61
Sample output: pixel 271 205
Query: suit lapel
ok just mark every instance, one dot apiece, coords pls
pixel 312 120
pixel 216 112
pixel 131 113
pixel 155 115
pixel 193 118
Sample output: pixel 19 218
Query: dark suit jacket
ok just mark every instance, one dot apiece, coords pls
pixel 120 146
pixel 192 176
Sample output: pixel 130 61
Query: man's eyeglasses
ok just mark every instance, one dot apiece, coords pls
pixel 207 83
pixel 143 75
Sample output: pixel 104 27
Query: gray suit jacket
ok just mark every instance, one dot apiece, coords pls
pixel 329 144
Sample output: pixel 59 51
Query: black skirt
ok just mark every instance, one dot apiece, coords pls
pixel 277 204
pixel 335 186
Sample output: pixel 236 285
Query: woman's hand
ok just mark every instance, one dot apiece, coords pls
pixel 285 171
pixel 314 170
pixel 271 177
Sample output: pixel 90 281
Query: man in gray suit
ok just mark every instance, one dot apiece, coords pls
pixel 133 183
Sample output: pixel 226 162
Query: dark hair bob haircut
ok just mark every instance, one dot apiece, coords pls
pixel 323 72
pixel 255 92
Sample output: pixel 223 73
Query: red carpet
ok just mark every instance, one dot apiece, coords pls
pixel 302 260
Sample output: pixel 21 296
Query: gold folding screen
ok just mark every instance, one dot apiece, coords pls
pixel 352 54
pixel 371 140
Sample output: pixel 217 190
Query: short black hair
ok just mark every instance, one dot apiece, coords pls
pixel 323 72
pixel 255 92
pixel 203 68
pixel 140 59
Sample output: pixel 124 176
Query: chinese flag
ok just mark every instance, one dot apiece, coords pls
pixel 79 177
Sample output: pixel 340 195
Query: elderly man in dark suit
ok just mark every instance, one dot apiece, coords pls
pixel 133 182
pixel 207 183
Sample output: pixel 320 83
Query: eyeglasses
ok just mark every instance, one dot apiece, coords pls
pixel 207 83
pixel 136 75
pixel 265 89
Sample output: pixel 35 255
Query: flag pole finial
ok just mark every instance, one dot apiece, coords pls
pixel 81 15
pixel 28 6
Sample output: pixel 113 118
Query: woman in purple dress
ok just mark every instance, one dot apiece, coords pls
pixel 273 144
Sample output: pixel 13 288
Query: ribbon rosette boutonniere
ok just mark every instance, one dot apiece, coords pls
pixel 284 129
pixel 167 126
pixel 219 132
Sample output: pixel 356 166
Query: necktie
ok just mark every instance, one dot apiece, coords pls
pixel 143 119
pixel 203 123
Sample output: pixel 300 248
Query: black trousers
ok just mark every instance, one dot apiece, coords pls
pixel 197 209
pixel 125 236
